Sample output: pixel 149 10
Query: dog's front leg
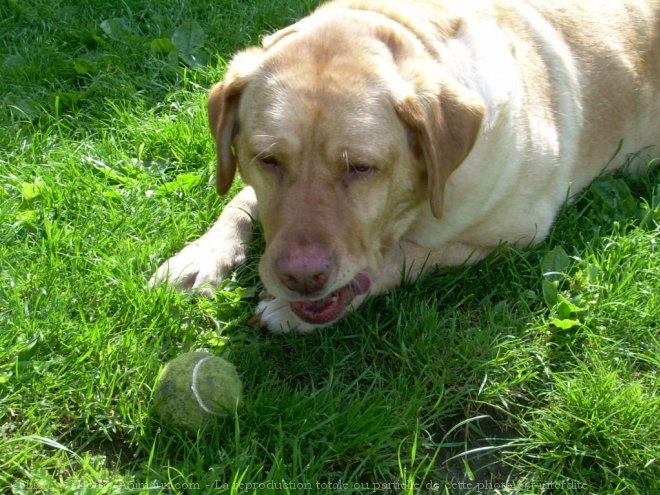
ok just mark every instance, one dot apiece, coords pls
pixel 203 264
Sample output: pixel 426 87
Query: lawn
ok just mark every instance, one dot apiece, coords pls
pixel 533 372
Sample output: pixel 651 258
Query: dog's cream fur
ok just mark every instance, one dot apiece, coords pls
pixel 421 133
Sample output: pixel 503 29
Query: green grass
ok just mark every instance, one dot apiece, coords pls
pixel 495 376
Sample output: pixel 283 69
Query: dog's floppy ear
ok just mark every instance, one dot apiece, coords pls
pixel 223 102
pixel 222 106
pixel 445 126
pixel 443 116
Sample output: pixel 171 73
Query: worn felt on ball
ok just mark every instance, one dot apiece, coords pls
pixel 194 388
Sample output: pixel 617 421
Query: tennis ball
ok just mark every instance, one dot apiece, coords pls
pixel 195 388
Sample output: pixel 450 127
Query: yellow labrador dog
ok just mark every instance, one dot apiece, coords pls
pixel 376 134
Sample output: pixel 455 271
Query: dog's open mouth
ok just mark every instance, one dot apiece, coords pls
pixel 328 309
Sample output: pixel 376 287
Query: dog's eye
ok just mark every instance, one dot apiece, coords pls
pixel 271 165
pixel 269 162
pixel 358 170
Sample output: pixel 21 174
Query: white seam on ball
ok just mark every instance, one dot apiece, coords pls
pixel 193 386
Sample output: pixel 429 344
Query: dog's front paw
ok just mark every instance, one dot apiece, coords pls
pixel 277 316
pixel 195 269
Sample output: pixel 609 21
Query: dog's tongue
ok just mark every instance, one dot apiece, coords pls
pixel 322 311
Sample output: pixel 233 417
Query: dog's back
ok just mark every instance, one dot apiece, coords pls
pixel 609 53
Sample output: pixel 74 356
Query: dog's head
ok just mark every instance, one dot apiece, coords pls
pixel 345 127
